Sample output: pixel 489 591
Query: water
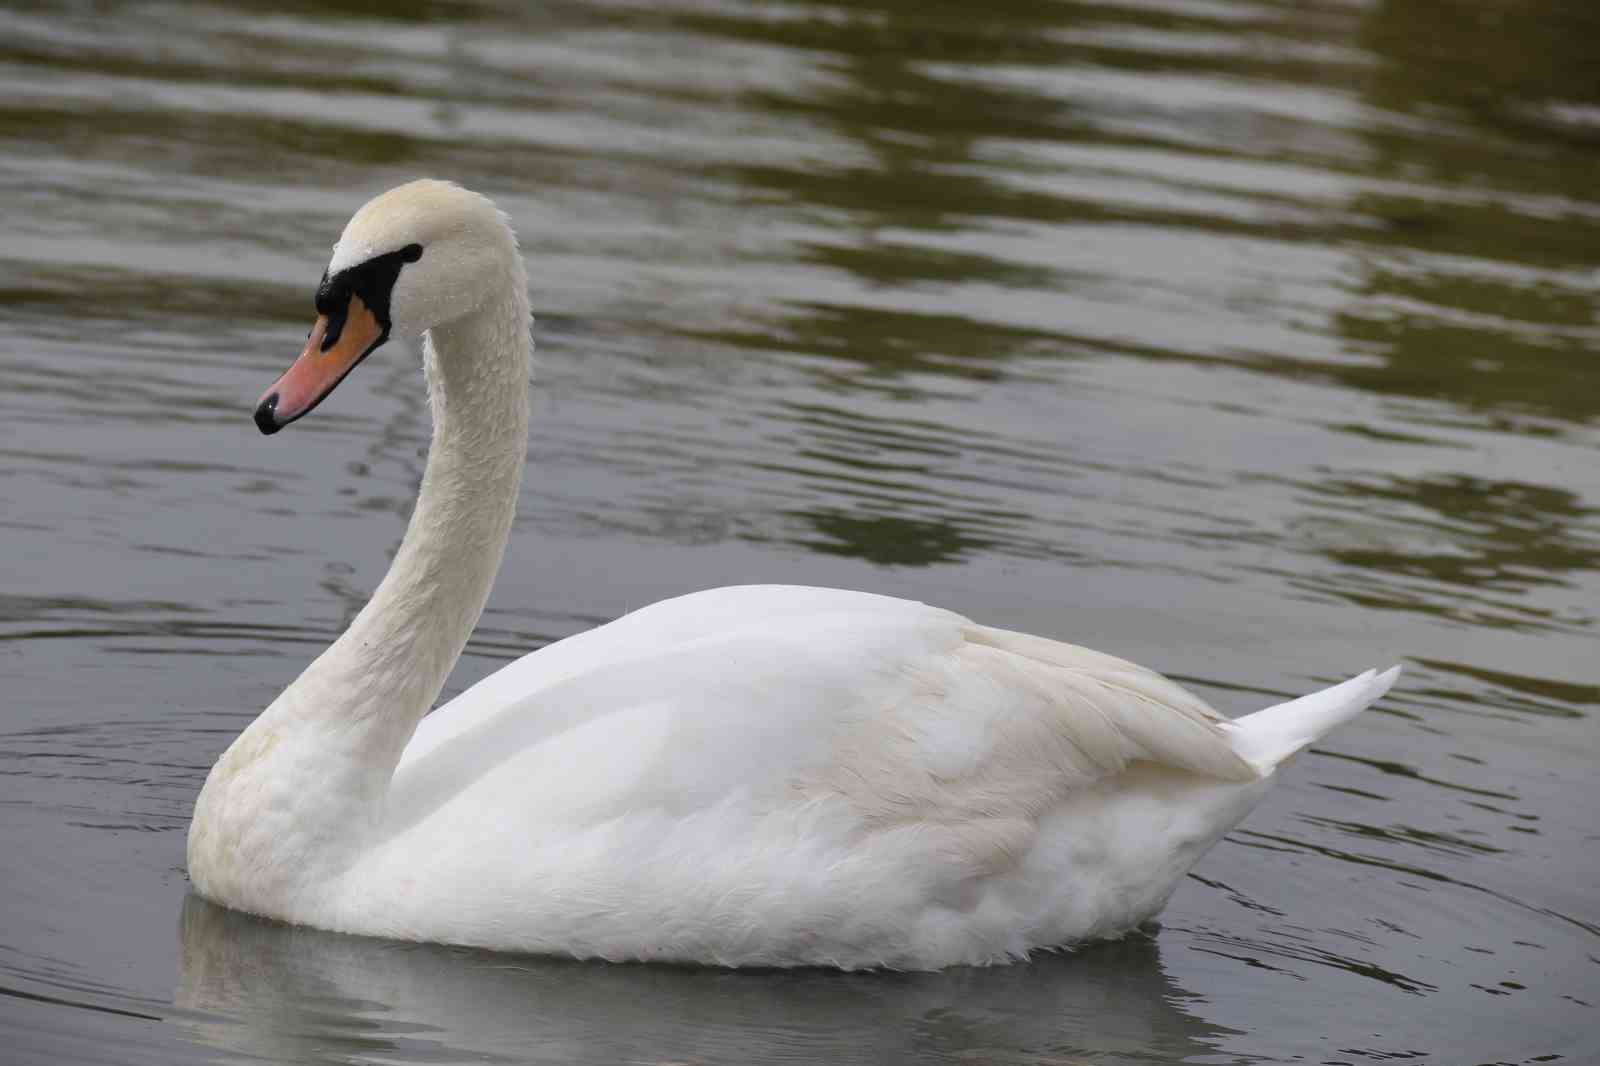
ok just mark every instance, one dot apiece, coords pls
pixel 1252 341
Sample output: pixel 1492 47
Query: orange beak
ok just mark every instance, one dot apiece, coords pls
pixel 321 366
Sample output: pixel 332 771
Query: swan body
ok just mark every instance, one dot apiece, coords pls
pixel 752 776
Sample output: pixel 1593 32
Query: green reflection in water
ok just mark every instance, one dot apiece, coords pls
pixel 1476 292
pixel 891 541
pixel 1503 534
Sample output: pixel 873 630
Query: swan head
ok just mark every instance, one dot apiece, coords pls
pixel 412 259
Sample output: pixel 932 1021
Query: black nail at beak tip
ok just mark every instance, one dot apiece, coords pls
pixel 267 415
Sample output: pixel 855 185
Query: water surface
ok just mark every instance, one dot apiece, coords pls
pixel 1253 341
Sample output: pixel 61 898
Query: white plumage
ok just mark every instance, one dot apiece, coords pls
pixel 764 775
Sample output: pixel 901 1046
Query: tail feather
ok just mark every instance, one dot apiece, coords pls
pixel 1266 738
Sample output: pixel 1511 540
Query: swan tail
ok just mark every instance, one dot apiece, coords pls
pixel 1266 738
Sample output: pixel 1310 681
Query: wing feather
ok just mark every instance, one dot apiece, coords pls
pixel 913 714
pixel 1003 728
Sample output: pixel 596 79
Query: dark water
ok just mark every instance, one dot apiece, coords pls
pixel 1253 341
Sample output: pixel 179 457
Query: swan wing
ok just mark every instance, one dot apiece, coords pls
pixel 769 775
pixel 667 632
pixel 771 693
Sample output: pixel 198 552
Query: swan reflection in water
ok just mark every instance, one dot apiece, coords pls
pixel 258 989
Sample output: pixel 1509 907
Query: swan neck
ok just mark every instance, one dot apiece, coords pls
pixel 297 794
pixel 397 654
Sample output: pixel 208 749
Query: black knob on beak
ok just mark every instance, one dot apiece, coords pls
pixel 267 415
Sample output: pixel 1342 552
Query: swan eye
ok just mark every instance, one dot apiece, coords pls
pixel 372 280
pixel 336 313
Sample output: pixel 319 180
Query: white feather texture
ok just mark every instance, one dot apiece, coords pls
pixel 755 776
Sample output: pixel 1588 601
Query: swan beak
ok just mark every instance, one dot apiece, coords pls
pixel 333 349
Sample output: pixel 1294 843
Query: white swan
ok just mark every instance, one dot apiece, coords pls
pixel 767 775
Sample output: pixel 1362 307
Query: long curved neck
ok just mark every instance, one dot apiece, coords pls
pixel 384 673
pixel 291 800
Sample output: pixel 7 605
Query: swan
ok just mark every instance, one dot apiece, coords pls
pixel 755 776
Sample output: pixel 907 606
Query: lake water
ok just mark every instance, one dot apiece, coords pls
pixel 1254 341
